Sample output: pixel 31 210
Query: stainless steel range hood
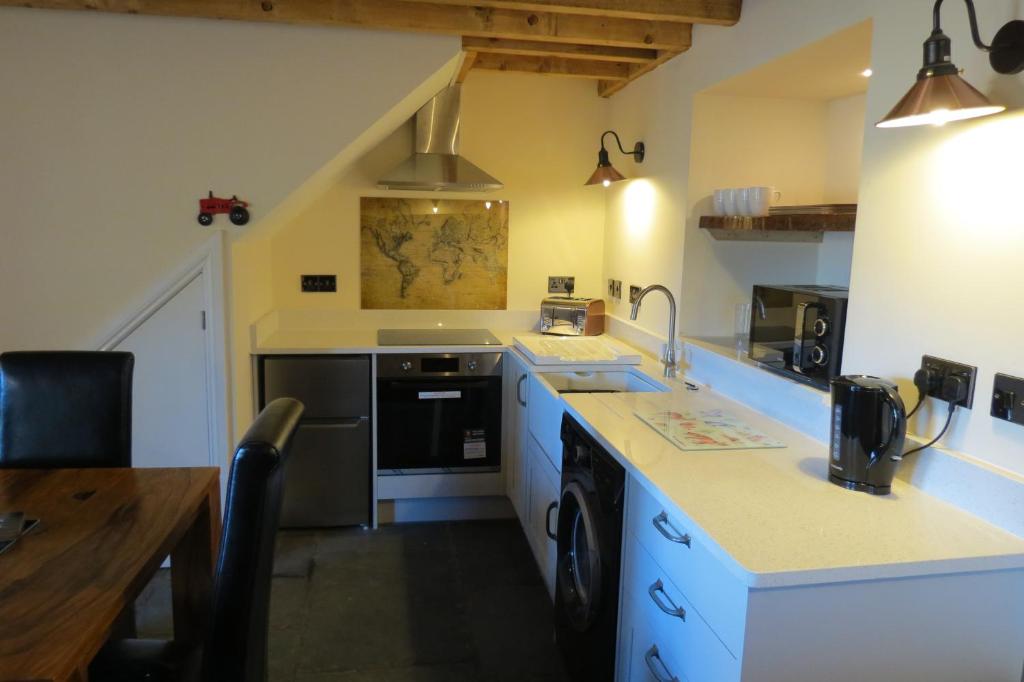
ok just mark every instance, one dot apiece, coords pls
pixel 436 166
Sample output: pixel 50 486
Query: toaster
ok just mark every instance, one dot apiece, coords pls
pixel 566 316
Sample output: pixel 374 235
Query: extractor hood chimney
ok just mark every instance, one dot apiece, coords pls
pixel 436 165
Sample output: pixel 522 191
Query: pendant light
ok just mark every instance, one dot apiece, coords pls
pixel 605 174
pixel 940 95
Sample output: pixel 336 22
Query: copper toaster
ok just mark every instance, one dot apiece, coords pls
pixel 565 316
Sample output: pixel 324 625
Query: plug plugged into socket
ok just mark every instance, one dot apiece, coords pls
pixel 634 293
pixel 945 373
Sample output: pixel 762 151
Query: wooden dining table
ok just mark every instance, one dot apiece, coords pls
pixel 102 536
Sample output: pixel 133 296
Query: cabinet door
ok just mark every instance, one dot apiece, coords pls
pixel 545 490
pixel 520 434
pixel 545 419
pixel 331 387
pixel 327 476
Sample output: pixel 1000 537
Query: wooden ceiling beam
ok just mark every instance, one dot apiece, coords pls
pixel 607 88
pixel 406 15
pixel 537 48
pixel 468 59
pixel 553 66
pixel 717 12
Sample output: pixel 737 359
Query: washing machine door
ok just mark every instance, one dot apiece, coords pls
pixel 579 559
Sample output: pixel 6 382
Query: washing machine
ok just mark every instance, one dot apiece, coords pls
pixel 589 539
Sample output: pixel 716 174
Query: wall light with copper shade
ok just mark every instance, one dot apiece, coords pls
pixel 605 174
pixel 940 95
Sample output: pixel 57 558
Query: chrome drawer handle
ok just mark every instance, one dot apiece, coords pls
pixel 650 657
pixel 663 525
pixel 672 610
pixel 519 393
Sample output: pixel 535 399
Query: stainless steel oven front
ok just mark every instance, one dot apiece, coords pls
pixel 438 413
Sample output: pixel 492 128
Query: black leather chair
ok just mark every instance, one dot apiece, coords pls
pixel 235 646
pixel 66 409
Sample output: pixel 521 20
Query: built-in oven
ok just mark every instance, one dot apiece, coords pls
pixel 798 331
pixel 438 413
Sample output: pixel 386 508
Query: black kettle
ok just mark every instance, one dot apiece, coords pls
pixel 869 425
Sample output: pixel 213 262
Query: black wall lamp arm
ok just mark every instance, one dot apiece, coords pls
pixel 1006 53
pixel 638 152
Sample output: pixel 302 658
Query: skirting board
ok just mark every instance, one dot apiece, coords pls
pixel 444 509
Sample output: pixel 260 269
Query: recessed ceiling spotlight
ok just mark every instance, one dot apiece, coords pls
pixel 867 73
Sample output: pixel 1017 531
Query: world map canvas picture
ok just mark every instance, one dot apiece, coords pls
pixel 414 258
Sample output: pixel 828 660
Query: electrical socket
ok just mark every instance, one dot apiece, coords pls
pixel 615 288
pixel 561 285
pixel 1008 399
pixel 947 368
pixel 634 293
pixel 319 283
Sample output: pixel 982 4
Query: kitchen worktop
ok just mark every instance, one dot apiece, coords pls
pixel 772 516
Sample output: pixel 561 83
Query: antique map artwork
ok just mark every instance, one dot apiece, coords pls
pixel 414 257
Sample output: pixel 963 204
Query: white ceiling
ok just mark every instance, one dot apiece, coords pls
pixel 827 69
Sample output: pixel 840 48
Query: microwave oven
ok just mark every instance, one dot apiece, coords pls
pixel 798 331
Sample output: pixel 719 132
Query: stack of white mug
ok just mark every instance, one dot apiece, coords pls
pixel 745 201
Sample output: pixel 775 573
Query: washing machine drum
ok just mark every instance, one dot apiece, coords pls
pixel 579 559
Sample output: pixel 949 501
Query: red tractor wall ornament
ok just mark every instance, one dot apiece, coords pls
pixel 237 210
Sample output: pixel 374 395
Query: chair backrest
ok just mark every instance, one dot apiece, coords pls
pixel 66 409
pixel 236 644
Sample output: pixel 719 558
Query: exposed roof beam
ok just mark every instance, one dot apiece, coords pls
pixel 554 66
pixel 537 48
pixel 407 15
pixel 720 12
pixel 607 88
pixel 468 59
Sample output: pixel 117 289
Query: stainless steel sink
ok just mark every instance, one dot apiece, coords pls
pixel 601 382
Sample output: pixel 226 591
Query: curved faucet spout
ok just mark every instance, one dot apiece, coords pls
pixel 669 358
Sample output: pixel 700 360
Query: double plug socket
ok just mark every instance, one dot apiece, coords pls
pixel 946 380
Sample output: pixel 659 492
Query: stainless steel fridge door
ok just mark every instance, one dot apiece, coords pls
pixel 327 480
pixel 329 387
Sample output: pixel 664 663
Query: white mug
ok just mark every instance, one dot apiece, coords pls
pixel 743 201
pixel 759 199
pixel 719 202
pixel 729 205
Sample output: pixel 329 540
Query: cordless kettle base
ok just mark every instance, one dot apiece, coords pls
pixel 860 486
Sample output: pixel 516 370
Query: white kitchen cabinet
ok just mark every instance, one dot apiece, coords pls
pixel 544 491
pixel 517 398
pixel 882 629
pixel 545 418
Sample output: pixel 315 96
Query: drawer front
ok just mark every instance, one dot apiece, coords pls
pixel 648 656
pixel 544 490
pixel 330 387
pixel 545 411
pixel 684 639
pixel 719 597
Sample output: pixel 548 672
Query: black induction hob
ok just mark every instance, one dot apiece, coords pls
pixel 436 337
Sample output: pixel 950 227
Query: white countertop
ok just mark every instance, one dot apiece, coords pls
pixel 352 341
pixel 772 516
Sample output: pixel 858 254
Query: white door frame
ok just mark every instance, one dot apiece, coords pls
pixel 208 260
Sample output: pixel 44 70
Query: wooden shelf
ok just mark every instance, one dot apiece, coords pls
pixel 801 227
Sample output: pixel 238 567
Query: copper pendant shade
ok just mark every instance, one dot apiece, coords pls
pixel 940 95
pixel 605 174
pixel 937 100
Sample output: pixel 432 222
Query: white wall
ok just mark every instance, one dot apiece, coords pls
pixel 938 228
pixel 539 136
pixel 112 126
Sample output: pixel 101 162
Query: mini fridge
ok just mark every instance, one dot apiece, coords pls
pixel 328 477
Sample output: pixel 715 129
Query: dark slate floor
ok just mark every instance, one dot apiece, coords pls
pixel 433 602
